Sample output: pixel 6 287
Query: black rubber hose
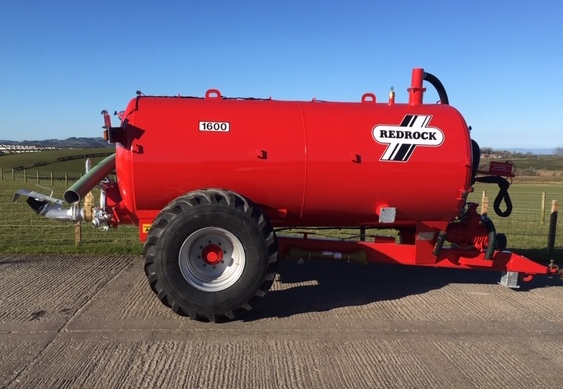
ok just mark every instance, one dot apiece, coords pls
pixel 476 156
pixel 437 84
pixel 502 195
pixel 492 237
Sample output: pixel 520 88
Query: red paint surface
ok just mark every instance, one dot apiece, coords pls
pixel 292 158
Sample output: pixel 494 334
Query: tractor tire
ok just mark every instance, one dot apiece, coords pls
pixel 211 255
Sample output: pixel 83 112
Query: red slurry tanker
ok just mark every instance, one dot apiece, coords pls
pixel 213 182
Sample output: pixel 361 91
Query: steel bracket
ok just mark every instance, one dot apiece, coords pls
pixel 509 279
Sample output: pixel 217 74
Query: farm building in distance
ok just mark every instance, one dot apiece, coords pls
pixel 18 149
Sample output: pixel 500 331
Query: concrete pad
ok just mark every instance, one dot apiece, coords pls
pixel 93 322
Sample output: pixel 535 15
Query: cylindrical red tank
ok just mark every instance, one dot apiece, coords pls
pixel 304 163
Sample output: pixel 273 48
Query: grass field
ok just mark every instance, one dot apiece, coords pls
pixel 21 230
pixel 527 227
pixel 537 169
pixel 50 163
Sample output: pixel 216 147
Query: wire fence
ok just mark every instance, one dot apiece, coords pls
pixel 40 177
pixel 21 229
pixel 528 225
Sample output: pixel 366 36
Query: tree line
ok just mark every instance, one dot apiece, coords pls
pixel 489 152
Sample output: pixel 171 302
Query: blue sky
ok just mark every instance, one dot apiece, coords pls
pixel 501 62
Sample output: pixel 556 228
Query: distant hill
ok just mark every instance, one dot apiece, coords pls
pixel 70 143
pixel 532 151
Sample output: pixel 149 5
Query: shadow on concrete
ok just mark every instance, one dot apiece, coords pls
pixel 318 286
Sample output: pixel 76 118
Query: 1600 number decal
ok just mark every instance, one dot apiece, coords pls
pixel 215 126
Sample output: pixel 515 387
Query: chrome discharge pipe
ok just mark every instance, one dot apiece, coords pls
pixel 52 208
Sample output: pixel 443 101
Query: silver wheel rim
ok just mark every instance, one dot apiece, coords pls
pixel 211 259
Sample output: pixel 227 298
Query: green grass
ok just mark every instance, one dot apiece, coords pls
pixel 23 231
pixel 527 228
pixel 541 162
pixel 73 167
pixel 536 169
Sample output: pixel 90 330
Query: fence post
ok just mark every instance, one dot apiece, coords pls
pixel 66 179
pixel 38 177
pixel 484 203
pixel 543 199
pixel 13 174
pixel 52 183
pixel 77 233
pixel 552 227
pixel 1 174
pixel 25 175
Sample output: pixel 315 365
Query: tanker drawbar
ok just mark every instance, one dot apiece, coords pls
pixel 222 188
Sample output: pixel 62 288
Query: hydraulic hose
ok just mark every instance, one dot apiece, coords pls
pixel 502 195
pixel 476 157
pixel 492 237
pixel 437 84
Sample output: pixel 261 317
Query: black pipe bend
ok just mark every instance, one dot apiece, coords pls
pixel 502 195
pixel 437 84
pixel 492 237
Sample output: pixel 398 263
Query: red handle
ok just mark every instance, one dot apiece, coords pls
pixel 213 94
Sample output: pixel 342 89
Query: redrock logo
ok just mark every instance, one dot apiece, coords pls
pixel 403 139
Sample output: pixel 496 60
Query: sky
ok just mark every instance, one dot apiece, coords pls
pixel 501 62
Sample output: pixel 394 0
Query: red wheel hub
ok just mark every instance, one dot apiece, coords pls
pixel 212 254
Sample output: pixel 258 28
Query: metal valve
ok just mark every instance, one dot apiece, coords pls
pixel 554 269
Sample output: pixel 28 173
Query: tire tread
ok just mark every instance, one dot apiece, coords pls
pixel 190 201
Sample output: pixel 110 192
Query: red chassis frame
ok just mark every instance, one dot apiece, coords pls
pixel 421 253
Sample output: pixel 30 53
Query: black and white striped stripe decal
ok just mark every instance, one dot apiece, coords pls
pixel 398 152
pixel 402 151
